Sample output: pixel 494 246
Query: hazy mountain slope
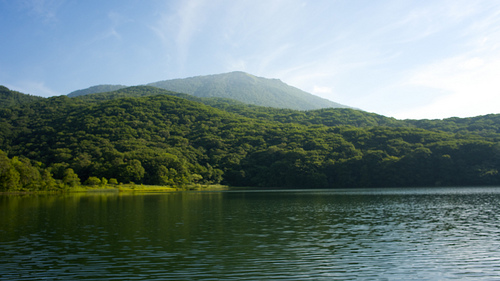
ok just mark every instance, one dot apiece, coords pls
pixel 249 89
pixel 326 116
pixel 486 126
pixel 12 98
pixel 95 89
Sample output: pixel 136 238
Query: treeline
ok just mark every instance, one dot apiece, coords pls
pixel 150 136
pixel 10 98
pixel 19 173
pixel 485 126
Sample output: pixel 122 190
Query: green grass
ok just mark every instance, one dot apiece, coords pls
pixel 127 188
pixel 160 188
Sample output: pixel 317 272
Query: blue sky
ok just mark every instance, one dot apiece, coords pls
pixel 400 58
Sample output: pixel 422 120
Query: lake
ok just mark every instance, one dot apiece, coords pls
pixel 377 234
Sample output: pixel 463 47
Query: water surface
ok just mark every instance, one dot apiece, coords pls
pixel 422 234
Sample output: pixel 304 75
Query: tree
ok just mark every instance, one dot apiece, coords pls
pixel 133 171
pixel 48 182
pixel 29 176
pixel 70 178
pixel 93 181
pixel 104 181
pixel 9 176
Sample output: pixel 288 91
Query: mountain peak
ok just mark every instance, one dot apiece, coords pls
pixel 247 88
pixel 236 85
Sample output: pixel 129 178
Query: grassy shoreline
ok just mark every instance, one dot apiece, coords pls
pixel 160 188
pixel 132 188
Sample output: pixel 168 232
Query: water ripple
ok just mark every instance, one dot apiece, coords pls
pixel 323 235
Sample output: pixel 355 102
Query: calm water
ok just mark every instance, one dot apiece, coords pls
pixel 423 234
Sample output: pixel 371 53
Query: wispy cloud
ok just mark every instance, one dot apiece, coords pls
pixel 392 57
pixel 465 83
pixel 46 10
pixel 456 71
pixel 322 90
pixel 468 80
pixel 239 35
pixel 408 23
pixel 178 25
pixel 117 20
pixel 190 16
pixel 398 56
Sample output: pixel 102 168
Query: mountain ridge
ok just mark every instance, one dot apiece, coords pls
pixel 484 125
pixel 96 89
pixel 249 89
pixel 10 97
pixel 236 85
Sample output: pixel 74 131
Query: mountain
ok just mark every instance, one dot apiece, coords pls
pixel 238 86
pixel 486 126
pixel 324 116
pixel 249 89
pixel 96 89
pixel 148 135
pixel 12 98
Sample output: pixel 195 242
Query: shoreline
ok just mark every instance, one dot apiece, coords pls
pixel 128 188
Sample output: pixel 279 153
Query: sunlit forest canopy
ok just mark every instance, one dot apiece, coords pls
pixel 148 135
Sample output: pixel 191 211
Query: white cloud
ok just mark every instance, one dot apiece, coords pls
pixel 190 14
pixel 36 88
pixel 464 86
pixel 467 83
pixel 322 90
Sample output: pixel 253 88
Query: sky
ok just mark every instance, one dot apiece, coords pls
pixel 417 59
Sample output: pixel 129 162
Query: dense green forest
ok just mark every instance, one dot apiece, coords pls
pixel 20 173
pixel 12 98
pixel 151 136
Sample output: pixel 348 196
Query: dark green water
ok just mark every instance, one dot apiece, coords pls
pixel 381 234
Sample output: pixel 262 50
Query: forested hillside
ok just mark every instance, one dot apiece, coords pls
pixel 151 136
pixel 12 98
pixel 95 89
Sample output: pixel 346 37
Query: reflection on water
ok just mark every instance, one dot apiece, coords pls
pixel 306 235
